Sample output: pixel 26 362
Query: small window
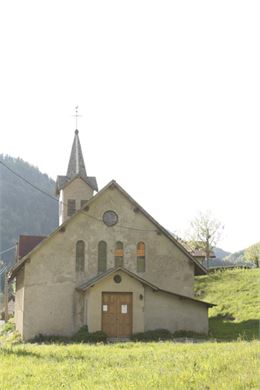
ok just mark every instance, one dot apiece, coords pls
pixel 71 207
pixel 80 256
pixel 140 257
pixel 82 203
pixel 102 256
pixel 119 254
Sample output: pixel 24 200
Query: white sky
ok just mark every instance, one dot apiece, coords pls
pixel 168 91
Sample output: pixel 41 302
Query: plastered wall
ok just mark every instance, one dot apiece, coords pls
pixel 51 305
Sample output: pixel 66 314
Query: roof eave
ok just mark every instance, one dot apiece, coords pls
pixel 155 288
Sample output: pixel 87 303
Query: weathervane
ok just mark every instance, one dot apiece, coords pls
pixel 76 116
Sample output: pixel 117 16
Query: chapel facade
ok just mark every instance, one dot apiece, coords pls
pixel 109 265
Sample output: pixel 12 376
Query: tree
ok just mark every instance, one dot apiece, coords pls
pixel 204 233
pixel 252 254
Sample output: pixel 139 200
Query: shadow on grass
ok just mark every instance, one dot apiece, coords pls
pixel 57 357
pixel 19 353
pixel 225 329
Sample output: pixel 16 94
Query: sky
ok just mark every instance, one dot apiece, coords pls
pixel 168 93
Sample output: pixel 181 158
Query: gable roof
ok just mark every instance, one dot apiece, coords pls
pixel 63 181
pixel 199 269
pixel 26 243
pixel 198 251
pixel 97 279
pixel 198 266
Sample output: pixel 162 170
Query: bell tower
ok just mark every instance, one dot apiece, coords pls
pixel 76 188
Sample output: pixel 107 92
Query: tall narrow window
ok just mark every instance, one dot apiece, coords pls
pixel 71 207
pixel 80 256
pixel 141 257
pixel 102 256
pixel 119 254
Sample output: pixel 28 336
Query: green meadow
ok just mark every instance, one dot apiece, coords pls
pixel 237 296
pixel 232 362
pixel 131 366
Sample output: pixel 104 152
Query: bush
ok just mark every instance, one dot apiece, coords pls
pixel 164 334
pixel 189 334
pixel 83 336
pixel 50 339
pixel 12 338
pixel 8 327
pixel 152 335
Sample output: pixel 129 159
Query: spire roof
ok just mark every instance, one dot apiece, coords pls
pixel 76 165
pixel 76 168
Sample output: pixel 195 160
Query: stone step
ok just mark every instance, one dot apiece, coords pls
pixel 118 339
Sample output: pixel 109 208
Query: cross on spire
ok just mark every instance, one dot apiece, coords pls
pixel 77 116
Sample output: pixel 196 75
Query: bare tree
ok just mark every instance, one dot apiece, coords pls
pixel 204 233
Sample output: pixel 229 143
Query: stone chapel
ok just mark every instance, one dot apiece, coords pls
pixel 109 265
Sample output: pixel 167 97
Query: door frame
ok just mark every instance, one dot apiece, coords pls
pixel 130 293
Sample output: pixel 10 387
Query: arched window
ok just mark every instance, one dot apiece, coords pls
pixel 119 254
pixel 140 257
pixel 102 256
pixel 80 256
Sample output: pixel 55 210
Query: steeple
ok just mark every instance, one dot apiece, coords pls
pixel 76 165
pixel 76 188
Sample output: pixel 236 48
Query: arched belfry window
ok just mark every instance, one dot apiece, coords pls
pixel 140 257
pixel 102 256
pixel 119 254
pixel 80 255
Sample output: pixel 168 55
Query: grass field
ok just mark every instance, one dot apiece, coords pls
pixel 206 366
pixel 237 295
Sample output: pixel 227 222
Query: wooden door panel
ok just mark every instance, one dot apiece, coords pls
pixel 124 315
pixel 117 314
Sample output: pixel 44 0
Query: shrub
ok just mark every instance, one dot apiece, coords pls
pixel 189 334
pixel 152 335
pixel 50 339
pixel 12 338
pixel 83 336
pixel 8 327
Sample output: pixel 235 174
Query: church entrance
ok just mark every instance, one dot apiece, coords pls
pixel 117 313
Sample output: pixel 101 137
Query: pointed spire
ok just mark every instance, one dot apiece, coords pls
pixel 76 163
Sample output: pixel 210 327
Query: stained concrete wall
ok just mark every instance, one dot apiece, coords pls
pixel 51 305
pixel 163 310
pixel 166 265
pixel 93 301
pixel 49 294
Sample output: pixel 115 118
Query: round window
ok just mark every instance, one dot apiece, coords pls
pixel 110 218
pixel 117 279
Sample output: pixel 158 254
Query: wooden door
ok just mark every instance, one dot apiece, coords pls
pixel 117 311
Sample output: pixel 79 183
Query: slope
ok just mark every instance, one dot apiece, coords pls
pixel 236 294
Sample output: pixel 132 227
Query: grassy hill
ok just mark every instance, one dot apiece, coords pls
pixel 237 296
